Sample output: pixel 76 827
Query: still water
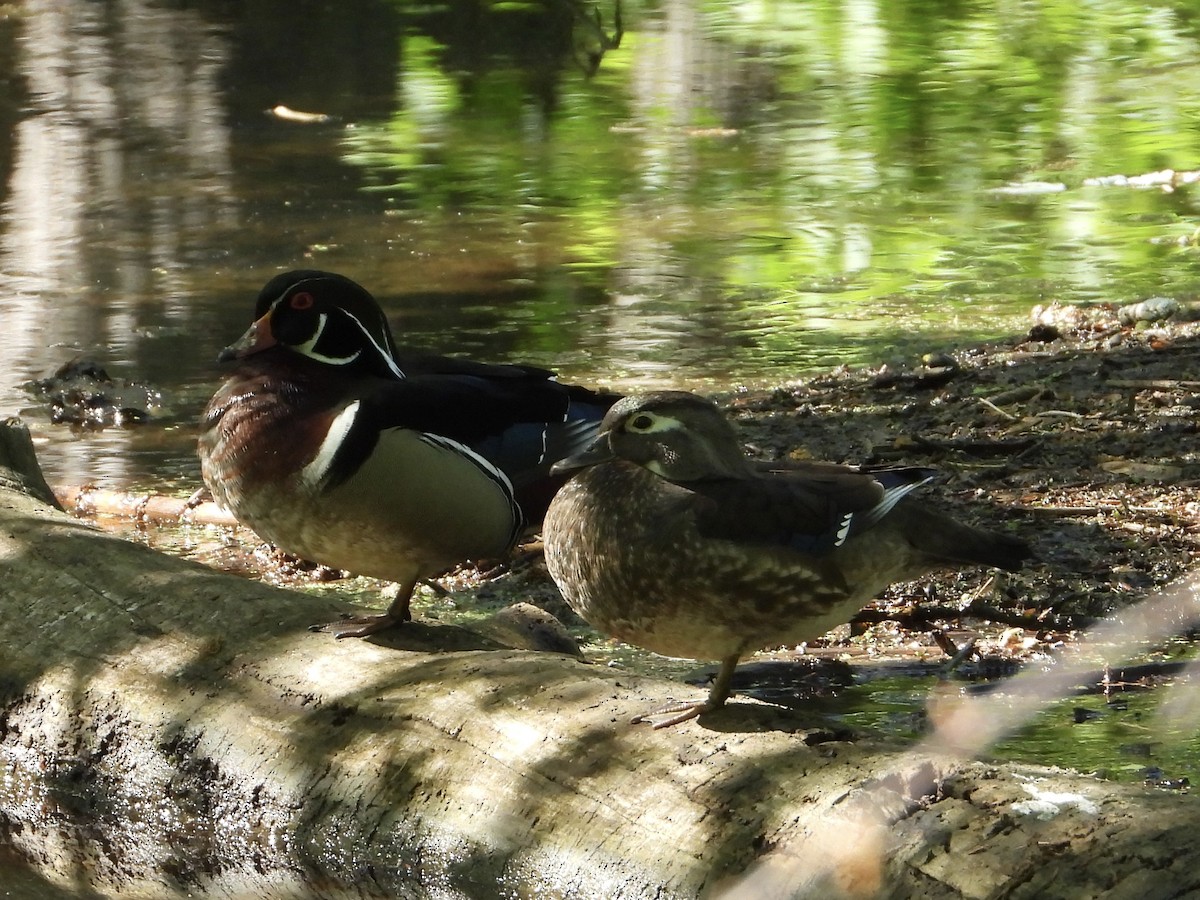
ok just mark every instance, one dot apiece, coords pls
pixel 713 194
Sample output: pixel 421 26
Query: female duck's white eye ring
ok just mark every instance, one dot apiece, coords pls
pixel 642 422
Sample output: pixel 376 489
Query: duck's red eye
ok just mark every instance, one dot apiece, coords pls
pixel 302 300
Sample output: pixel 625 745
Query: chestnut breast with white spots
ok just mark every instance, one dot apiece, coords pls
pixel 393 518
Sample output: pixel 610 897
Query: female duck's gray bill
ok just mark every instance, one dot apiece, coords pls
pixel 597 452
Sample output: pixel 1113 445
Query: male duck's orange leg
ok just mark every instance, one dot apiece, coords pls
pixel 362 626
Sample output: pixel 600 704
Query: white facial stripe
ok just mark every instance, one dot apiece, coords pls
pixel 314 473
pixel 656 467
pixel 382 351
pixel 308 348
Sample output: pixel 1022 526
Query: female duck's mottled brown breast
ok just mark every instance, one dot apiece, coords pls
pixel 731 557
pixel 639 568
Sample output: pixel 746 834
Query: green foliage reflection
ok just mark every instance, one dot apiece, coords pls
pixel 785 162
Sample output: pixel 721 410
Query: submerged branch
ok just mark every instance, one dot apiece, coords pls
pixel 142 508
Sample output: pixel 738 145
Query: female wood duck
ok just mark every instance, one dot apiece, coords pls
pixel 332 444
pixel 672 540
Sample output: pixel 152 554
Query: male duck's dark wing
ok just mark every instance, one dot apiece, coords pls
pixel 414 362
pixel 514 425
pixel 573 425
pixel 813 508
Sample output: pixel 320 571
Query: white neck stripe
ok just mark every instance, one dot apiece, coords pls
pixel 315 473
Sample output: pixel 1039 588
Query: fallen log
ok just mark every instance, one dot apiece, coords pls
pixel 167 730
pixel 141 507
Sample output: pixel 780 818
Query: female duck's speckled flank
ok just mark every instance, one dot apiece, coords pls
pixel 671 539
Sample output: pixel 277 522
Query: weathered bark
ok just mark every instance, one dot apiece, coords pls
pixel 168 730
pixel 19 470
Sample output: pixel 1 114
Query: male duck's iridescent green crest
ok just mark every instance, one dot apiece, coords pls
pixel 326 317
pixel 669 538
pixel 335 445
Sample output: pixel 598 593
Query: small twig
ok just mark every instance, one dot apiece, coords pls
pixel 1100 681
pixel 960 656
pixel 1067 511
pixel 1154 384
pixel 920 617
pixel 1058 414
pixel 994 408
pixel 973 447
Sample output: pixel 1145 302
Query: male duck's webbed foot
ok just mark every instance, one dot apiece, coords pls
pixel 363 626
pixel 360 626
pixel 684 710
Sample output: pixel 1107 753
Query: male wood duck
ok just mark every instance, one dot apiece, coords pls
pixel 329 442
pixel 671 539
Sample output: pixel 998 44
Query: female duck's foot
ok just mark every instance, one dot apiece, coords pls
pixel 682 711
